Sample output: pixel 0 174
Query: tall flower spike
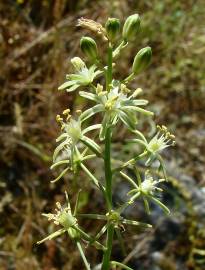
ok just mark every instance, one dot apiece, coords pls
pixel 115 102
pixel 84 76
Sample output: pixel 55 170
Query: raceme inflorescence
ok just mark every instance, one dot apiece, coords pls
pixel 116 105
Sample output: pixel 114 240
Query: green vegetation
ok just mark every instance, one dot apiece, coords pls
pixel 37 40
pixel 115 102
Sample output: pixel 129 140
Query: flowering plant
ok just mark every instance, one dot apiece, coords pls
pixel 115 103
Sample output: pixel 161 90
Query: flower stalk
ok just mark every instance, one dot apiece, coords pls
pixel 108 172
pixel 77 144
pixel 109 68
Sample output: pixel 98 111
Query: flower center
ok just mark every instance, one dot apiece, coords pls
pixel 155 146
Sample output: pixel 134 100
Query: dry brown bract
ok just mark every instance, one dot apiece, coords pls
pixel 92 26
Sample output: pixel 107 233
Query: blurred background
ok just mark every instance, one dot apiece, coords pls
pixel 37 39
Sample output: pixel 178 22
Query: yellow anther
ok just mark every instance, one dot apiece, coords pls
pixel 78 112
pixel 59 118
pixel 124 89
pixel 103 93
pixel 67 111
pixel 62 126
pixel 99 88
pixel 172 136
pixel 164 128
pixel 68 117
pixel 137 92
pixel 114 98
pixel 58 205
pixel 108 105
pixel 167 134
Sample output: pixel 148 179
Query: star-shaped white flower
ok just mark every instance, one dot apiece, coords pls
pixel 145 189
pixel 84 76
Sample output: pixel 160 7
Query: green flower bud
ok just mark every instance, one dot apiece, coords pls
pixel 112 27
pixel 142 60
pixel 131 27
pixel 89 47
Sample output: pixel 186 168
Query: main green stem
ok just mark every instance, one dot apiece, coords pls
pixel 109 68
pixel 108 169
pixel 108 172
pixel 107 254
